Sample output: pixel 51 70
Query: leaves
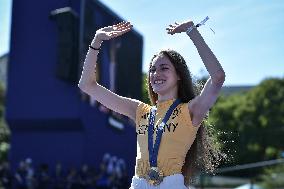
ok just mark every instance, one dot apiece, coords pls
pixel 254 120
pixel 145 96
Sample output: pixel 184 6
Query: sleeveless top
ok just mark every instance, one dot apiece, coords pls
pixel 178 136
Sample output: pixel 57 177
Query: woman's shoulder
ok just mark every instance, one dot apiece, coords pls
pixel 142 111
pixel 142 107
pixel 187 110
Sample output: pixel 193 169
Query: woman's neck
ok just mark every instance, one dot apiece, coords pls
pixel 168 96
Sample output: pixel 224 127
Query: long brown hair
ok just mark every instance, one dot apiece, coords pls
pixel 203 154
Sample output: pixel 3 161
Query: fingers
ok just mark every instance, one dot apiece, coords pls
pixel 172 28
pixel 174 25
pixel 123 31
pixel 120 31
pixel 121 25
pixel 124 27
pixel 170 31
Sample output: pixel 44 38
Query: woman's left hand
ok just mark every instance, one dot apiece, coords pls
pixel 179 27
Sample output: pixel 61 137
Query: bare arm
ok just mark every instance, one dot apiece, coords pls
pixel 201 104
pixel 88 83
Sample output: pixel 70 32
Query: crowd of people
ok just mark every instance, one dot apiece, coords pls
pixel 111 174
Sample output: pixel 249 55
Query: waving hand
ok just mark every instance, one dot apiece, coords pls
pixel 113 31
pixel 179 27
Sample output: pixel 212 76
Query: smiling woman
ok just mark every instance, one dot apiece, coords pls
pixel 163 77
pixel 173 143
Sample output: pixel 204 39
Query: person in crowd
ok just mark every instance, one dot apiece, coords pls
pixel 58 178
pixel 6 176
pixel 20 176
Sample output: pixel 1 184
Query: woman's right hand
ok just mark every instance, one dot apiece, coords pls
pixel 113 31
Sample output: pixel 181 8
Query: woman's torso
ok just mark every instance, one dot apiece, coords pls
pixel 178 136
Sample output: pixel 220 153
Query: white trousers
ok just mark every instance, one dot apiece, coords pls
pixel 175 181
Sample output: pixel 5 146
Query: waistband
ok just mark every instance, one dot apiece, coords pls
pixel 167 166
pixel 169 173
pixel 175 181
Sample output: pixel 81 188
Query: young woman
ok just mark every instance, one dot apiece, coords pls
pixel 172 141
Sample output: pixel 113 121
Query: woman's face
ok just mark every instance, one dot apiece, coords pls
pixel 163 76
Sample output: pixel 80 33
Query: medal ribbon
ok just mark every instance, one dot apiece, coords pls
pixel 153 151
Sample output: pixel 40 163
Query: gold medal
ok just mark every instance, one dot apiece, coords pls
pixel 154 176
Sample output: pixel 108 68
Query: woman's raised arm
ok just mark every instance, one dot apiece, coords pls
pixel 201 104
pixel 88 82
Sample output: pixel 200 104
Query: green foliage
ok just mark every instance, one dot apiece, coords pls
pixel 145 97
pixel 252 123
pixel 273 177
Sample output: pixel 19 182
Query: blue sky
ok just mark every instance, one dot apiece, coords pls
pixel 248 39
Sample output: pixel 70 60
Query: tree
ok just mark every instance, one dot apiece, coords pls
pixel 252 124
pixel 145 97
pixel 273 177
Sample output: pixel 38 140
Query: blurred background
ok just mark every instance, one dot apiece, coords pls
pixel 54 136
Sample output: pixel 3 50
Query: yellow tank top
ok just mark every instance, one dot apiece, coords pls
pixel 178 136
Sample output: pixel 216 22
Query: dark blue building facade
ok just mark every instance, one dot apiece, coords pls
pixel 50 119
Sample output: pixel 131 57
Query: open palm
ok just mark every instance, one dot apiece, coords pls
pixel 113 31
pixel 179 27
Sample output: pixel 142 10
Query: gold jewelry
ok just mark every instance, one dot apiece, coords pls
pixel 154 176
